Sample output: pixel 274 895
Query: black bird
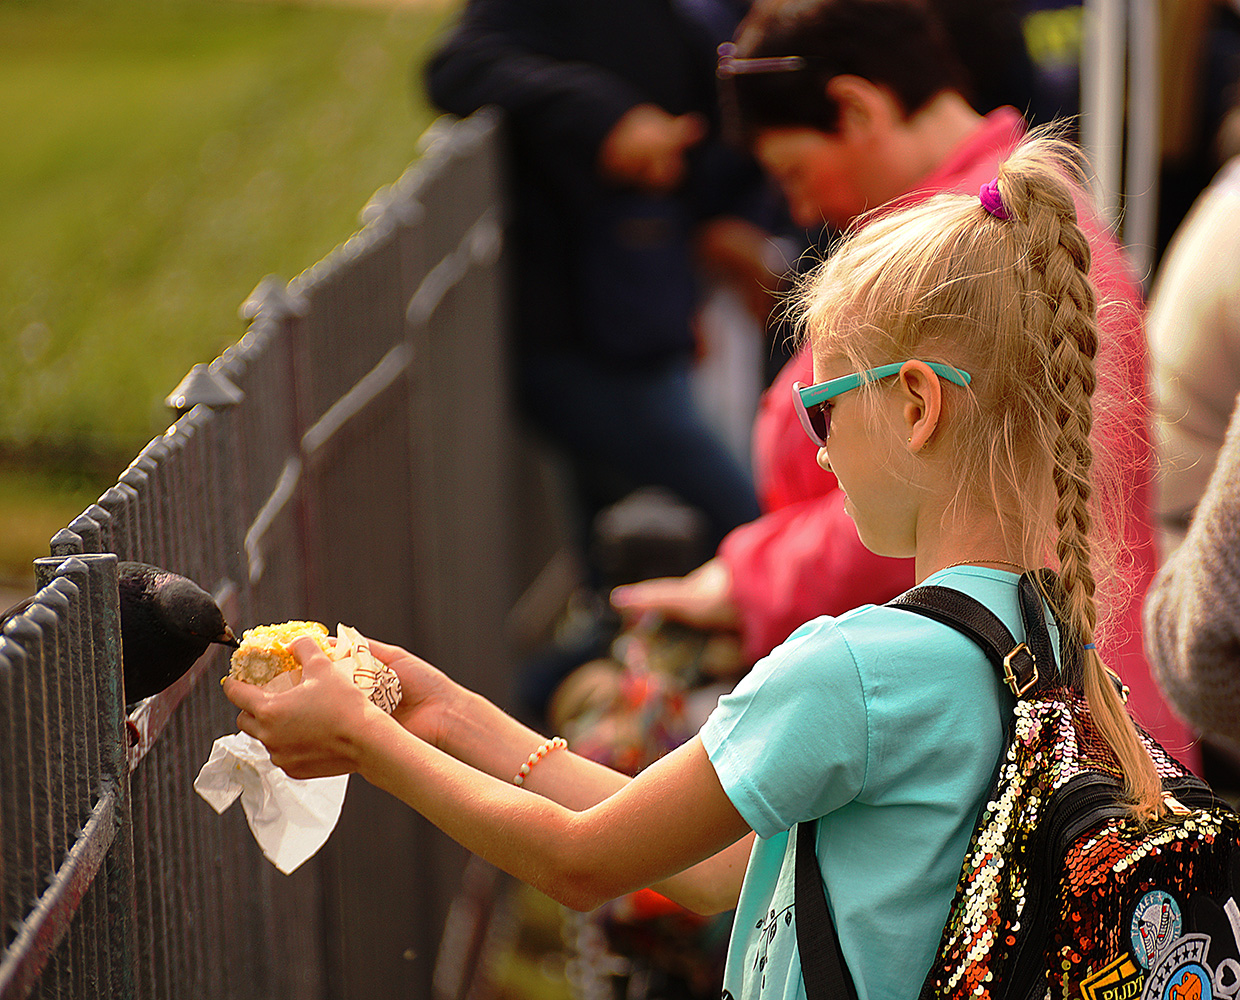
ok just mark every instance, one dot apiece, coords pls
pixel 167 623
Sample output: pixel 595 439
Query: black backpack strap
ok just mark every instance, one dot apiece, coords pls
pixel 822 962
pixel 1016 662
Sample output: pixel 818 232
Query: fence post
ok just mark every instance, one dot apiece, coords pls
pixel 70 578
pixel 103 600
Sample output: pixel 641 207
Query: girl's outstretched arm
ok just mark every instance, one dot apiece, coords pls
pixel 472 729
pixel 605 835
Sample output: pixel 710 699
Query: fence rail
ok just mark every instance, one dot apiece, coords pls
pixel 349 459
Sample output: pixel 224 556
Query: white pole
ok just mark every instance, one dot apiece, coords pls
pixel 1144 153
pixel 1102 100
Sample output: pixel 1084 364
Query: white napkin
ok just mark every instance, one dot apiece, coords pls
pixel 290 818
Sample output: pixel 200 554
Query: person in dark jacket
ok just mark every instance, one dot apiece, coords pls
pixel 614 170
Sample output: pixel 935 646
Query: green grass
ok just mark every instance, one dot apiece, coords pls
pixel 161 157
pixel 34 505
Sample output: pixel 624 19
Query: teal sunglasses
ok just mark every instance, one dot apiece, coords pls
pixel 813 402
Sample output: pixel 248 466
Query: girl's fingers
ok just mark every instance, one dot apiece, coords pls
pixel 307 652
pixel 246 723
pixel 247 697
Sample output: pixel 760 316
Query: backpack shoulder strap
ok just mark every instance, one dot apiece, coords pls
pixel 822 962
pixel 1016 662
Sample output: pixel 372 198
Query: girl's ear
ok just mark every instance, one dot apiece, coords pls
pixel 922 395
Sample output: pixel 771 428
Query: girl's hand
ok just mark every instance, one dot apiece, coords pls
pixel 428 695
pixel 314 729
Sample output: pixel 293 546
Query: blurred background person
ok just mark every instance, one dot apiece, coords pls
pixel 615 168
pixel 1194 333
pixel 1192 614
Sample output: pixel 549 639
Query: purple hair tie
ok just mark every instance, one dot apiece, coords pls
pixel 991 200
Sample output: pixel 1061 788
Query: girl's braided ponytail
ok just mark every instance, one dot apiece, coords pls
pixel 1060 317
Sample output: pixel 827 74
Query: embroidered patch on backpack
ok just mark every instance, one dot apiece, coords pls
pixel 1181 972
pixel 1120 980
pixel 1156 922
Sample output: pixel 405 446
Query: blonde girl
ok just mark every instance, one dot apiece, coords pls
pixel 953 348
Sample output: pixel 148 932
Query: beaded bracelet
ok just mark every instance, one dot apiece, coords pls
pixel 555 743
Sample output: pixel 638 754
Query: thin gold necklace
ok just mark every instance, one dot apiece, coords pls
pixel 968 562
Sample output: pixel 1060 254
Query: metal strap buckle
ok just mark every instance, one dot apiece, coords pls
pixel 1009 674
pixel 1177 807
pixel 1120 687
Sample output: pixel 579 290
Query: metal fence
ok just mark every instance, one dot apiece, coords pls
pixel 350 459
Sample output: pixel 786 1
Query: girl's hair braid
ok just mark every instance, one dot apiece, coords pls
pixel 1061 317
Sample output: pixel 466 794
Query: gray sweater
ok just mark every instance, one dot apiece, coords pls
pixel 1192 610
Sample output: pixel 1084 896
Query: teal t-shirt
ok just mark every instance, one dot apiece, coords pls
pixel 889 726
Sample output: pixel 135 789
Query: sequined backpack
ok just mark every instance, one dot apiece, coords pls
pixel 1061 894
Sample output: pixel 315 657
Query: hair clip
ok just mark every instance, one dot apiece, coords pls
pixel 991 200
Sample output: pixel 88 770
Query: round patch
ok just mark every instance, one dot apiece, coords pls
pixel 1155 924
pixel 1189 982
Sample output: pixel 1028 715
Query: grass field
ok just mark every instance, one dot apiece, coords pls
pixel 34 505
pixel 160 158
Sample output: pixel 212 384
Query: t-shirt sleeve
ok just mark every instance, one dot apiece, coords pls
pixel 791 742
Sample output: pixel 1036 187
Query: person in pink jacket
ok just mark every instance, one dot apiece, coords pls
pixel 846 129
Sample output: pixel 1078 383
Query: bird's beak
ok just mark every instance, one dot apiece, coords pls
pixel 226 638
